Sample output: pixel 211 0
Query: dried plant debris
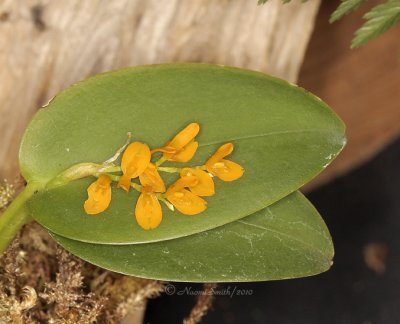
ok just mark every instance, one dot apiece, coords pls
pixel 42 283
pixel 7 192
pixel 204 303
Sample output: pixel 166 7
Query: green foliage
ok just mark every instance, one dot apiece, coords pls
pixel 283 137
pixel 285 240
pixel 345 7
pixel 256 228
pixel 379 20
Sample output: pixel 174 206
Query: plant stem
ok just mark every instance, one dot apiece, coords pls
pixel 160 161
pixel 15 216
pixel 161 197
pixel 169 169
pixel 116 178
pixel 178 170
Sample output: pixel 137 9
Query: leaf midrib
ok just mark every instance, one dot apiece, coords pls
pixel 292 131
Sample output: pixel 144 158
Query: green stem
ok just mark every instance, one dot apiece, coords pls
pixel 178 170
pixel 81 170
pixel 162 198
pixel 116 178
pixel 169 169
pixel 15 216
pixel 136 186
pixel 111 168
pixel 160 161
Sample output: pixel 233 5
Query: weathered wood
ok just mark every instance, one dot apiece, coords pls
pixel 45 46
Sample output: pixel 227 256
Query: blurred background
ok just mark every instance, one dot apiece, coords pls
pixel 46 46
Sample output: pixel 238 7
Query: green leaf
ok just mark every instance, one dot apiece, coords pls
pixel 285 240
pixel 379 20
pixel 345 7
pixel 283 137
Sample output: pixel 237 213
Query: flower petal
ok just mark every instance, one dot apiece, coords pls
pixel 186 202
pixel 135 160
pixel 222 151
pixel 151 177
pixel 185 136
pixel 182 183
pixel 185 154
pixel 99 196
pixel 205 186
pixel 148 211
pixel 227 170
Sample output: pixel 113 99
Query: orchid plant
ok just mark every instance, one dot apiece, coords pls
pixel 170 209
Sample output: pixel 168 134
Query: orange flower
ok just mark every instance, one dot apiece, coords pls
pixel 205 184
pixel 99 195
pixel 184 200
pixel 151 177
pixel 135 160
pixel 148 210
pixel 224 169
pixel 183 146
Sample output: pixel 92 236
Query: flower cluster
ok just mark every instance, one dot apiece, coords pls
pixel 185 194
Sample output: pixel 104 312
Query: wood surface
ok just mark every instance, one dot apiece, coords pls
pixel 45 46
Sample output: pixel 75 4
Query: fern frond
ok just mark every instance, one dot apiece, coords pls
pixel 379 20
pixel 345 7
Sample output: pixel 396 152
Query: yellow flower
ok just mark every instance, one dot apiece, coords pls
pixel 184 200
pixel 99 195
pixel 183 146
pixel 135 160
pixel 224 169
pixel 205 184
pixel 151 177
pixel 148 210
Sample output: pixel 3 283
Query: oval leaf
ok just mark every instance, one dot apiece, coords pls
pixel 286 240
pixel 283 137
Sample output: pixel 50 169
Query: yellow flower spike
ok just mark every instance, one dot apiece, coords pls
pixel 205 185
pixel 151 177
pixel 224 169
pixel 183 146
pixel 99 195
pixel 184 200
pixel 135 160
pixel 148 210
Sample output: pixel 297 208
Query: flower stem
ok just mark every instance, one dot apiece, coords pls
pixel 178 170
pixel 162 198
pixel 116 178
pixel 15 216
pixel 160 161
pixel 169 169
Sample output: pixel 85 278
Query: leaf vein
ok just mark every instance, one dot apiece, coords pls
pixel 284 234
pixel 291 131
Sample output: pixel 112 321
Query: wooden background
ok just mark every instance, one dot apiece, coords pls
pixel 45 46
